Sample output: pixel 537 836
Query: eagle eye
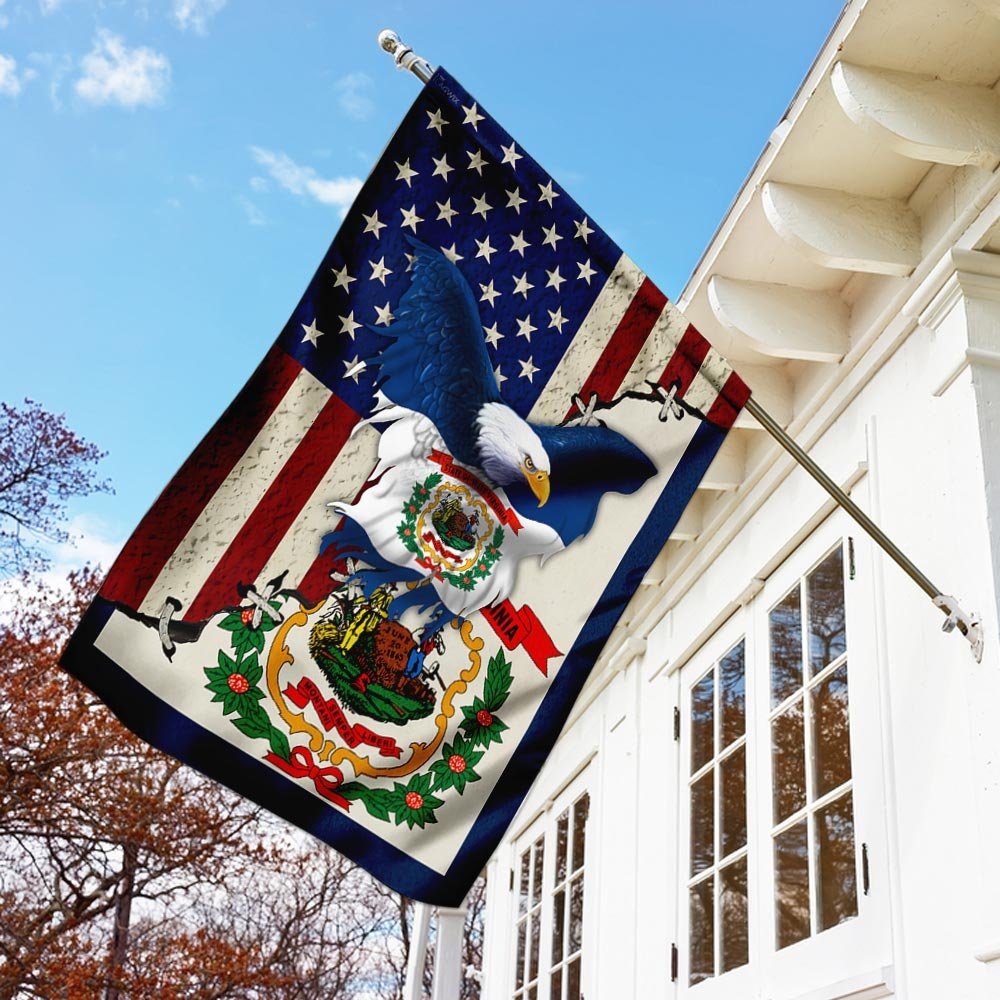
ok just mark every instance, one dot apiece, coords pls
pixel 528 464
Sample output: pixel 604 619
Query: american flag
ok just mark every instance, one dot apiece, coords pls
pixel 569 321
pixel 564 310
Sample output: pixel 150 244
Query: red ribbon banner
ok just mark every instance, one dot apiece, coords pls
pixel 331 715
pixel 522 628
pixel 301 765
pixel 505 515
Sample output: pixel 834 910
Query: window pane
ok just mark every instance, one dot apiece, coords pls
pixel 536 920
pixel 581 809
pixel 827 634
pixel 556 992
pixel 788 752
pixel 733 919
pixel 533 993
pixel 786 647
pixel 702 947
pixel 703 823
pixel 733 804
pixel 522 897
pixel 831 733
pixel 835 863
pixel 573 981
pixel 536 877
pixel 702 722
pixel 733 695
pixel 558 922
pixel 521 931
pixel 791 889
pixel 576 916
pixel 562 846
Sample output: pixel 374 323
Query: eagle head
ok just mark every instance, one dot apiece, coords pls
pixel 510 450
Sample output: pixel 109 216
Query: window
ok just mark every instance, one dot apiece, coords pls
pixel 781 837
pixel 567 901
pixel 812 806
pixel 717 890
pixel 549 886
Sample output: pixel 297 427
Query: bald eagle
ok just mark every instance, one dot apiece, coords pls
pixel 438 393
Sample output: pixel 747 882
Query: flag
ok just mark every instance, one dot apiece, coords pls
pixel 370 597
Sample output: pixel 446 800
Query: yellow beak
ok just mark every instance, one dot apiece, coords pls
pixel 539 483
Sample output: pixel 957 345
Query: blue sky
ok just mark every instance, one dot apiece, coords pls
pixel 173 170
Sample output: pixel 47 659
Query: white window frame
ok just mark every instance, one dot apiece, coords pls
pixel 545 825
pixel 732 985
pixel 862 943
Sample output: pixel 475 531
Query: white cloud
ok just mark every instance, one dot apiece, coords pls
pixel 337 191
pixel 195 14
pixel 91 542
pixel 354 95
pixel 49 6
pixel 116 74
pixel 259 184
pixel 10 83
pixel 254 215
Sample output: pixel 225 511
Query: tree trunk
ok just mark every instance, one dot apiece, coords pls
pixel 123 915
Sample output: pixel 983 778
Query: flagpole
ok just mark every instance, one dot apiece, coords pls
pixel 968 624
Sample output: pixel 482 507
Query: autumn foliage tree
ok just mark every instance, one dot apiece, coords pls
pixel 124 874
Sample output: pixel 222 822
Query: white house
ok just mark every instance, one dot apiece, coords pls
pixel 783 780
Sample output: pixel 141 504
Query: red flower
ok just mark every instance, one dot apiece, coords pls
pixel 484 717
pixel 407 532
pixel 246 616
pixel 413 508
pixel 414 800
pixel 482 567
pixel 238 684
pixel 457 763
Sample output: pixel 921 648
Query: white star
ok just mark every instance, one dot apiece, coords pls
pixel 410 258
pixel 493 335
pixel 546 193
pixel 472 116
pixel 551 236
pixel 441 167
pixel 353 368
pixel 556 319
pixel 437 121
pixel 379 271
pixel 525 329
pixel 312 333
pixel 522 286
pixel 500 377
pixel 383 315
pixel 586 271
pixel 445 211
pixel 348 326
pixel 555 279
pixel 485 250
pixel 452 254
pixel 583 230
pixel 514 200
pixel 406 172
pixel 481 206
pixel 511 155
pixel 489 292
pixel 519 243
pixel 476 162
pixel 410 218
pixel 342 279
pixel 528 369
pixel 372 225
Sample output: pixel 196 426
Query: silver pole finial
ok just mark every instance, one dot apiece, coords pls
pixel 404 57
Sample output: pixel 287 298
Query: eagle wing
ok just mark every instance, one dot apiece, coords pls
pixel 436 362
pixel 587 462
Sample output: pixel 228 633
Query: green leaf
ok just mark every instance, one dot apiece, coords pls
pixel 251 669
pixel 251 727
pixel 279 743
pixel 226 663
pixel 498 538
pixel 232 621
pixel 498 681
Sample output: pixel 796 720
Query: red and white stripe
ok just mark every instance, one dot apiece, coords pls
pixel 251 499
